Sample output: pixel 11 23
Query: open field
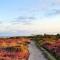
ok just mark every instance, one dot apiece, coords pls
pixel 14 49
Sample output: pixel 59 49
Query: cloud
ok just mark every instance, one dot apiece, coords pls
pixel 49 7
pixel 44 25
pixel 53 12
pixel 29 21
pixel 57 1
pixel 24 19
pixel 1 22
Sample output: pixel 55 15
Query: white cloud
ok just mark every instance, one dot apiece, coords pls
pixel 45 25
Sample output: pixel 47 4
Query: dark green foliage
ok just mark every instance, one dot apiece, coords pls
pixel 58 36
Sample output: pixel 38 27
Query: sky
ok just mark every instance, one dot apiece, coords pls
pixel 26 17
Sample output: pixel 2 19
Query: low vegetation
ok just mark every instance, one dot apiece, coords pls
pixel 49 42
pixel 14 48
